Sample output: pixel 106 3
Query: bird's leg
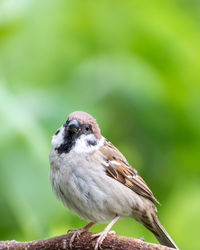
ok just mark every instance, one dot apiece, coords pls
pixel 78 232
pixel 101 236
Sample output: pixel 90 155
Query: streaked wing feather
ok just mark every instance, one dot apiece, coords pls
pixel 117 167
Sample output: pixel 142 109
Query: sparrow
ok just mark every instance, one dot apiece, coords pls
pixel 93 178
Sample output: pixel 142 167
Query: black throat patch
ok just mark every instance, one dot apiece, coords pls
pixel 71 138
pixel 69 143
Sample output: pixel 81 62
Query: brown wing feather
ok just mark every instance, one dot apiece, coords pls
pixel 117 167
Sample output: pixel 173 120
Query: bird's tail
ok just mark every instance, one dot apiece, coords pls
pixel 160 233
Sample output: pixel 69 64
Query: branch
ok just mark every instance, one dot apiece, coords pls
pixel 86 241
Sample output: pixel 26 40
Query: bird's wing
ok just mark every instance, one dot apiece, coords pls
pixel 117 167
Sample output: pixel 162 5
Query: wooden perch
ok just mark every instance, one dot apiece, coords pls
pixel 112 241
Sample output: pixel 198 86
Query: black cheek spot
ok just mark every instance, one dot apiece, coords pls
pixel 91 142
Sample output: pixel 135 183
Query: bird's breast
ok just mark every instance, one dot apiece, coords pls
pixel 83 186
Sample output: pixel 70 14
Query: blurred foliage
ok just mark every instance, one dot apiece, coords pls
pixel 134 65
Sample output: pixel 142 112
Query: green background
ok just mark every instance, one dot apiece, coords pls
pixel 135 66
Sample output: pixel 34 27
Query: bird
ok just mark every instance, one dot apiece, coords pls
pixel 93 178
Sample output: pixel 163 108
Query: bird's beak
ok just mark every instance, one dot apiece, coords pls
pixel 73 126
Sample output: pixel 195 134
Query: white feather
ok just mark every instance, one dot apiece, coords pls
pixel 58 139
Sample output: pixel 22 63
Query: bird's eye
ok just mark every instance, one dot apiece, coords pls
pixel 73 126
pixel 87 127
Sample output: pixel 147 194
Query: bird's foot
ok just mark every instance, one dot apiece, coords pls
pixel 101 237
pixel 78 232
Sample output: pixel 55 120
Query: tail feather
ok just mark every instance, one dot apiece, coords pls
pixel 162 235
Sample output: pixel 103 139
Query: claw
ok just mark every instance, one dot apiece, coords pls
pixel 112 232
pixel 78 232
pixel 101 236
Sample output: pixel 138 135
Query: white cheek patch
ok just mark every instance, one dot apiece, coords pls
pixel 82 146
pixel 58 138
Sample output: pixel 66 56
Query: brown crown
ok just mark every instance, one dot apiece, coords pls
pixel 85 118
